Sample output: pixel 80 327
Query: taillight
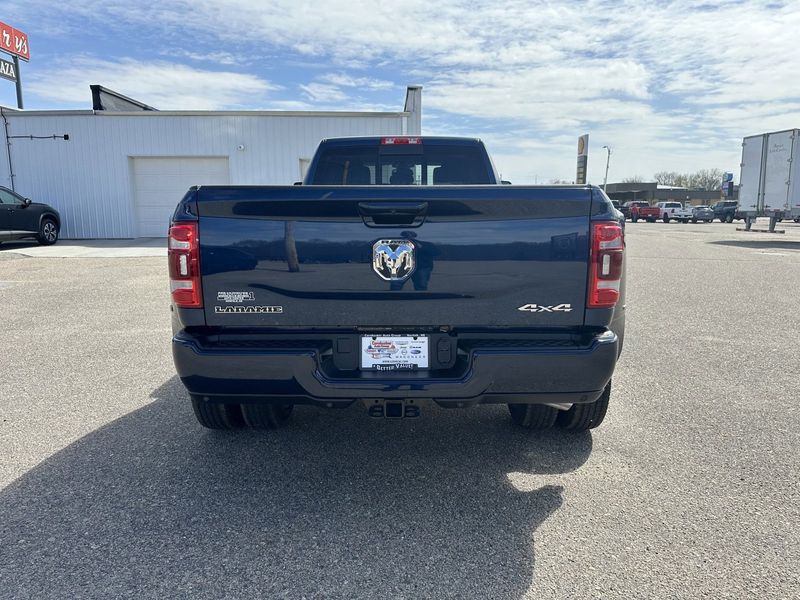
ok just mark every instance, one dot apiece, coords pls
pixel 605 264
pixel 184 265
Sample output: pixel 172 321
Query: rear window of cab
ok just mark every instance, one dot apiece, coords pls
pixel 432 165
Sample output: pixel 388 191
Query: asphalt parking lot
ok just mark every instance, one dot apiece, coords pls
pixel 110 489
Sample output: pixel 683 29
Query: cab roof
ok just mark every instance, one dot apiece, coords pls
pixel 433 140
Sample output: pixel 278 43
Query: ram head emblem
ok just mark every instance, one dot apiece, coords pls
pixel 393 260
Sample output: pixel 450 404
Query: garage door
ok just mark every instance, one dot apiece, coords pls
pixel 159 183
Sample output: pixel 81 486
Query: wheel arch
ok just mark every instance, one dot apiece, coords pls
pixel 48 214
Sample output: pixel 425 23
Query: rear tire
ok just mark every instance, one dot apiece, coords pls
pixel 665 218
pixel 582 417
pixel 729 219
pixel 214 415
pixel 694 220
pixel 533 416
pixel 48 232
pixel 634 219
pixel 266 416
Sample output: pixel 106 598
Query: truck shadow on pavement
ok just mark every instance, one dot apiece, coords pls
pixel 335 505
pixel 759 244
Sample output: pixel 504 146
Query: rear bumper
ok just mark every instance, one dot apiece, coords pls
pixel 538 374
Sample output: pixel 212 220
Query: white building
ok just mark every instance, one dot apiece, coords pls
pixel 121 173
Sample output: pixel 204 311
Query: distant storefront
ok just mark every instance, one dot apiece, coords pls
pixel 654 192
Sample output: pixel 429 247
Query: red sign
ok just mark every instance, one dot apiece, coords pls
pixel 14 41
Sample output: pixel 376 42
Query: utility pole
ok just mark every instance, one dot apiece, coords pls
pixel 608 160
pixel 18 82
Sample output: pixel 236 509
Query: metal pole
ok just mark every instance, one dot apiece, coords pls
pixel 608 160
pixel 8 150
pixel 19 83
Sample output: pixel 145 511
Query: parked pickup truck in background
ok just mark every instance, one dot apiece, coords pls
pixel 683 214
pixel 668 209
pixel 401 273
pixel 639 209
pixel 726 211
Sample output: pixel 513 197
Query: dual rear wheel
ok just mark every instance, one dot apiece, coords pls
pixel 580 417
pixel 214 415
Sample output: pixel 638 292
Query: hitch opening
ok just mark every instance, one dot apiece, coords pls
pixel 393 409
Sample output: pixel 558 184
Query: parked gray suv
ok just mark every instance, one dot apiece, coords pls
pixel 20 219
pixel 702 213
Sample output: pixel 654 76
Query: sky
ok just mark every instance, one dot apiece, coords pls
pixel 666 85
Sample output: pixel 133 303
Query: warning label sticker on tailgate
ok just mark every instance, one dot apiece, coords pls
pixel 235 297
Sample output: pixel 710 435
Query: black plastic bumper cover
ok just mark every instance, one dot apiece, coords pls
pixel 542 375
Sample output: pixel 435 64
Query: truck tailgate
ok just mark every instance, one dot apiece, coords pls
pixel 305 256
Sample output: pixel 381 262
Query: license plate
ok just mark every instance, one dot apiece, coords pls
pixel 394 352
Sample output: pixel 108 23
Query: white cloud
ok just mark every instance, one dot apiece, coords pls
pixel 323 92
pixel 327 90
pixel 219 58
pixel 367 83
pixel 161 84
pixel 290 105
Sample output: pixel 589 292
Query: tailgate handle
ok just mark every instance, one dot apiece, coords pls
pixel 388 214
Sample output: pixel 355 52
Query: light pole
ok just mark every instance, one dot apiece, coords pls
pixel 608 160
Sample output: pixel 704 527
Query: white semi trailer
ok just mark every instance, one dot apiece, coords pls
pixel 769 183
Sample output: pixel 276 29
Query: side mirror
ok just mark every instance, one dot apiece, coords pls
pixel 27 202
pixel 298 183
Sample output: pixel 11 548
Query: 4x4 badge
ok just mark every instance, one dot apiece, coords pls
pixel 541 308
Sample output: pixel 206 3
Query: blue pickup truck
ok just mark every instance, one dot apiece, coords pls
pixel 401 273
